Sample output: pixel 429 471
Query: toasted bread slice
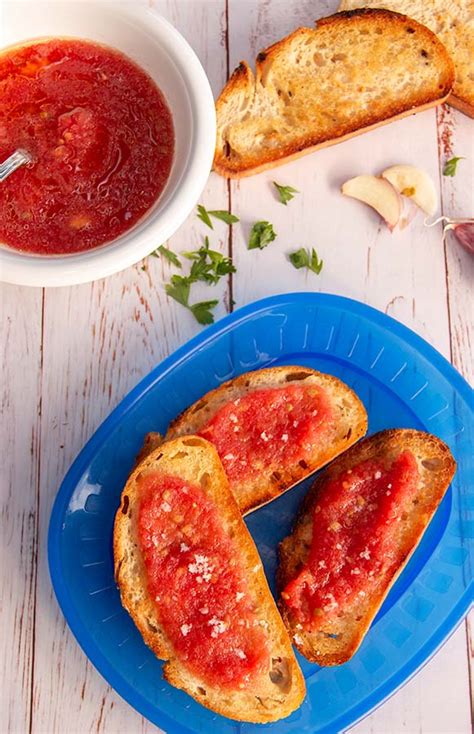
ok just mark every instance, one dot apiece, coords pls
pixel 453 23
pixel 316 87
pixel 338 639
pixel 277 691
pixel 349 423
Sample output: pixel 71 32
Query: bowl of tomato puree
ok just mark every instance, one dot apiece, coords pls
pixel 118 117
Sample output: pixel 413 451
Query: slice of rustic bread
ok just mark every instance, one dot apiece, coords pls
pixel 356 70
pixel 339 639
pixel 453 23
pixel 279 690
pixel 350 424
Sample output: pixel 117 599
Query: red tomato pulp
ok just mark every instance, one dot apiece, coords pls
pixel 101 139
pixel 355 525
pixel 200 590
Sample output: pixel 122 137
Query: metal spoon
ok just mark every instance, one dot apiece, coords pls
pixel 14 161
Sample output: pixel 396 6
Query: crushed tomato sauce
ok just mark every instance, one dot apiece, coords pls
pixel 201 594
pixel 269 428
pixel 101 139
pixel 355 523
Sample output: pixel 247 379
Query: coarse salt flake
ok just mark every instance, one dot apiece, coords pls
pixel 264 436
pixel 218 626
pixel 365 554
pixel 185 629
pixel 201 567
pixel 204 610
pixel 239 595
pixel 229 457
pixel 284 437
pixel 355 571
pixel 322 564
pixel 166 507
pixel 377 475
pixel 233 418
pixel 240 653
pixel 183 547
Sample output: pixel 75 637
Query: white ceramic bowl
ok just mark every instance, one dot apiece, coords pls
pixel 139 32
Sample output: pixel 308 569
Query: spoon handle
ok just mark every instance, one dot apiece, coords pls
pixel 14 161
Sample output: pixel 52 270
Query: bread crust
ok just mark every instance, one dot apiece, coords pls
pixel 242 82
pixel 452 22
pixel 268 488
pixel 318 646
pixel 190 458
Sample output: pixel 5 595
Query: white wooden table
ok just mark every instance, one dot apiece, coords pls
pixel 71 354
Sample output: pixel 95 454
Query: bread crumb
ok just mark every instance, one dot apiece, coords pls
pixel 185 629
pixel 204 610
pixel 229 457
pixel 365 554
pixel 256 568
pixel 239 595
pixel 322 564
pixel 233 418
pixel 166 507
pixel 240 653
pixel 298 639
pixel 377 475
pixel 338 546
pixel 335 526
pixel 264 436
pixel 284 437
pixel 295 424
pixel 183 547
pixel 355 571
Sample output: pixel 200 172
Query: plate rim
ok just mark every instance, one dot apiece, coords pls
pixel 230 321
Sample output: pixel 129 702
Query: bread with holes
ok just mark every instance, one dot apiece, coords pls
pixel 453 23
pixel 353 72
pixel 348 424
pixel 337 638
pixel 279 688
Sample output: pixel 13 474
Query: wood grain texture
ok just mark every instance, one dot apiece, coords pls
pixel 83 348
pixel 20 337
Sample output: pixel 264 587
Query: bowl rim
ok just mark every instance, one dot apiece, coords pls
pixel 72 269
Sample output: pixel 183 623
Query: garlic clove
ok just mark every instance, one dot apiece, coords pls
pixel 415 184
pixel 377 193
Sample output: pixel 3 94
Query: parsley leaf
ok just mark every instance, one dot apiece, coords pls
pixel 203 215
pixel 208 265
pixel 451 166
pixel 304 259
pixel 167 254
pixel 224 216
pixel 286 193
pixel 178 289
pixel 202 311
pixel 261 234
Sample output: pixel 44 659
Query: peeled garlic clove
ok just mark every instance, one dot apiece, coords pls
pixel 414 183
pixel 377 193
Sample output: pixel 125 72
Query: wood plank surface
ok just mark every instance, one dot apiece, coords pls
pixel 71 354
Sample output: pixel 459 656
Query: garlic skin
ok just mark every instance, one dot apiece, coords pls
pixel 463 230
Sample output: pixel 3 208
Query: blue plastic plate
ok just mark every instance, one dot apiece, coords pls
pixel 402 381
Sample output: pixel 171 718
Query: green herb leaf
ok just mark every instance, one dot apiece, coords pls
pixel 286 193
pixel 203 215
pixel 202 311
pixel 178 289
pixel 224 216
pixel 451 166
pixel 261 234
pixel 168 255
pixel 304 259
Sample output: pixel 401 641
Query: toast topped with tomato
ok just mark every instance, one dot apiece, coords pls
pixel 273 427
pixel 357 528
pixel 190 576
